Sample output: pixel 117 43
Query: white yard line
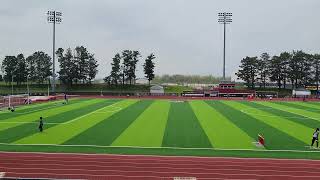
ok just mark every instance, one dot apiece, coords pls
pixel 93 112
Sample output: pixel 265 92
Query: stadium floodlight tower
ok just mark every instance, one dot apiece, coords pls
pixel 224 18
pixel 54 17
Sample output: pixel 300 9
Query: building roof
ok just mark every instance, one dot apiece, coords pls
pixel 156 87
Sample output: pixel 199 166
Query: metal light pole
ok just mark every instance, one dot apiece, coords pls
pixel 11 84
pixel 224 18
pixel 54 17
pixel 11 89
pixel 28 89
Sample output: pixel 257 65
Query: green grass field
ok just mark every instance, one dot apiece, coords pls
pixel 164 127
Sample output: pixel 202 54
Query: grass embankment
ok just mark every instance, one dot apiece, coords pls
pixel 85 88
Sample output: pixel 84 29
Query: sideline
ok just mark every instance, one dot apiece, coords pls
pixel 70 121
pixel 174 148
pixel 157 156
pixel 56 104
pixel 247 111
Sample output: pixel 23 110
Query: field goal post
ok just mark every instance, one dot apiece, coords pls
pixel 13 100
pixel 2 103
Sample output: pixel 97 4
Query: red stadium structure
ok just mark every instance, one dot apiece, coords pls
pixel 225 89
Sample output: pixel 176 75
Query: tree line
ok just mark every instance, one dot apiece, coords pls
pixel 35 68
pixel 190 79
pixel 124 65
pixel 76 66
pixel 296 68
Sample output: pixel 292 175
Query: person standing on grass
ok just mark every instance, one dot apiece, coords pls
pixel 41 125
pixel 66 98
pixel 315 137
pixel 12 109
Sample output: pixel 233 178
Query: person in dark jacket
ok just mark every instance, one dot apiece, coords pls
pixel 41 125
pixel 315 137
pixel 65 98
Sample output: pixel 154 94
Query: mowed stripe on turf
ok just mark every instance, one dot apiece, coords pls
pixel 305 113
pixel 21 131
pixel 108 129
pixel 148 129
pixel 275 139
pixel 295 130
pixel 28 109
pixel 314 105
pixel 183 128
pixel 63 132
pixel 311 123
pixel 299 106
pixel 32 117
pixel 220 131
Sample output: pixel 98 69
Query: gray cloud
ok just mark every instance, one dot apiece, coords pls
pixel 184 35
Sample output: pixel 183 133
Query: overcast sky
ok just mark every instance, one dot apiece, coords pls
pixel 184 34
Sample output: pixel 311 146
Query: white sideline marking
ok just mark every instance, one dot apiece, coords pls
pixel 93 112
pixel 2 174
pixel 247 111
pixel 53 105
pixel 23 122
pixel 174 148
pixel 67 122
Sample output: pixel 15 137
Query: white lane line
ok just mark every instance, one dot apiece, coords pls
pixel 17 176
pixel 97 156
pixel 2 174
pixel 165 176
pixel 171 166
pixel 174 148
pixel 254 171
pixel 175 162
pixel 160 162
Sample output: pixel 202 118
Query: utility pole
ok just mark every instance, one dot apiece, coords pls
pixel 54 17
pixel 224 18
pixel 28 98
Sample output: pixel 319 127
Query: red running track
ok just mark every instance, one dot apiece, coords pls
pixel 97 166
